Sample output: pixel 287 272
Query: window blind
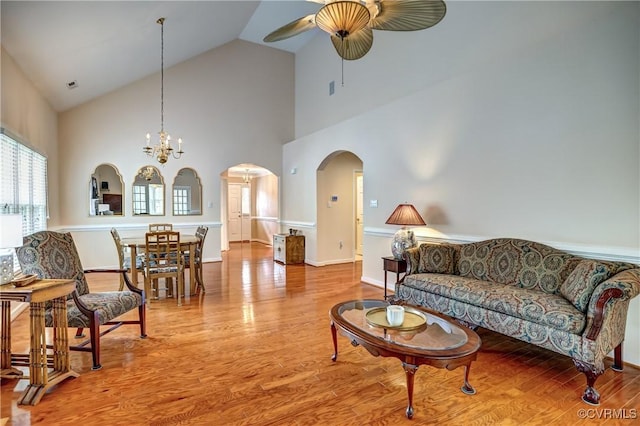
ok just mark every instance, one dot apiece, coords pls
pixel 23 184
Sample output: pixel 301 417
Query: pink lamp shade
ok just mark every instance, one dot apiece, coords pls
pixel 403 239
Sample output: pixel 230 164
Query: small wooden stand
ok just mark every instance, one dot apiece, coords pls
pixel 38 361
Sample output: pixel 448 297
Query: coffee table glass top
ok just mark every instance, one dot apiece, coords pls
pixel 437 334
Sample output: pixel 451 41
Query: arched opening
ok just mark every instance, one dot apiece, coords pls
pixel 249 205
pixel 339 202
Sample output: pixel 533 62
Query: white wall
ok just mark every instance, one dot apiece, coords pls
pixel 514 119
pixel 29 117
pixel 208 102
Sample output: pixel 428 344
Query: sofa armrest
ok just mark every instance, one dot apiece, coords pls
pixel 618 289
pixel 412 257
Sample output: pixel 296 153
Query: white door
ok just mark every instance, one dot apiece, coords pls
pixel 359 214
pixel 245 210
pixel 234 207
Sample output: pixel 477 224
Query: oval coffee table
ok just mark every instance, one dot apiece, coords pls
pixel 440 342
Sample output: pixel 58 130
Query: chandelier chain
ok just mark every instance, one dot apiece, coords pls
pixel 161 21
pixel 163 149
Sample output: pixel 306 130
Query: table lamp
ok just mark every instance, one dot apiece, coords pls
pixel 10 237
pixel 405 215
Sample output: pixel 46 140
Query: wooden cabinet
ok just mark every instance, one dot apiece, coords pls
pixel 288 249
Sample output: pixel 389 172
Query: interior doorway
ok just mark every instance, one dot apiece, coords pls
pixel 359 202
pixel 249 205
pixel 340 221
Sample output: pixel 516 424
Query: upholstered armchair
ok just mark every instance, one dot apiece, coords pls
pixel 53 255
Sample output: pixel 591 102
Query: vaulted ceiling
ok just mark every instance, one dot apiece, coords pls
pixel 104 45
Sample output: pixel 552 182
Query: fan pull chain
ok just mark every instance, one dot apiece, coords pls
pixel 342 63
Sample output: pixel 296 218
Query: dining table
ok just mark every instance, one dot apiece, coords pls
pixel 188 244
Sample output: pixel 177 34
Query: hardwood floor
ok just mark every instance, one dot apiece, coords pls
pixel 256 350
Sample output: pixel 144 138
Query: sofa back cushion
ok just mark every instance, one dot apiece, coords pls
pixel 579 285
pixel 522 263
pixel 437 259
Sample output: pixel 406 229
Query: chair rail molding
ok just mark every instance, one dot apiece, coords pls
pixel 128 226
pixel 618 254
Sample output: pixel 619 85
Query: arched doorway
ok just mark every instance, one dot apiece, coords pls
pixel 249 204
pixel 339 203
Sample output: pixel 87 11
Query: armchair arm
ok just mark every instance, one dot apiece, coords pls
pixel 127 280
pixel 618 289
pixel 412 257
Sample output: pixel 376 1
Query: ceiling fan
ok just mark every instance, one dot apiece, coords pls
pixel 350 22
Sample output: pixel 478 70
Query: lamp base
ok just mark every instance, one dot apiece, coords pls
pixel 402 240
pixel 6 268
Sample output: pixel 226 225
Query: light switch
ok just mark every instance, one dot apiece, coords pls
pixel 373 203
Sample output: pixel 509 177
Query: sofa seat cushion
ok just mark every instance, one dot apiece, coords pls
pixel 542 308
pixel 109 305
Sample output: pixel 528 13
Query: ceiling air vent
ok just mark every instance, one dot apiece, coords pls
pixel 72 84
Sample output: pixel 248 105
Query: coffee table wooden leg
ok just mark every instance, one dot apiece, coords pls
pixel 467 388
pixel 334 335
pixel 410 371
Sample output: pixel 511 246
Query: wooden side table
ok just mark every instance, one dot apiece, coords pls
pixel 391 264
pixel 40 378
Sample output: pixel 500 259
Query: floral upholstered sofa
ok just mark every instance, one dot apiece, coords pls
pixel 530 291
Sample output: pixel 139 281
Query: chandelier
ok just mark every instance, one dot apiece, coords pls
pixel 163 149
pixel 246 178
pixel 147 172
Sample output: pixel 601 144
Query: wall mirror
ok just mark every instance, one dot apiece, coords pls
pixel 187 193
pixel 148 192
pixel 105 191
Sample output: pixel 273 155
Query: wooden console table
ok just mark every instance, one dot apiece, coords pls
pixel 40 377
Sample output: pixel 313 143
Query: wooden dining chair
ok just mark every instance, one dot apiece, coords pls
pixel 123 256
pixel 155 227
pixel 164 260
pixel 201 234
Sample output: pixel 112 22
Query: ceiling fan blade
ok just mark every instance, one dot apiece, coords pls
pixel 294 28
pixel 355 46
pixel 408 15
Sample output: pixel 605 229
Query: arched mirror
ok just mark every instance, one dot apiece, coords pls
pixel 105 191
pixel 187 193
pixel 148 192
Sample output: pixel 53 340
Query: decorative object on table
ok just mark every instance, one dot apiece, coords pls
pixel 163 149
pixel 395 315
pixel 412 319
pixel 10 237
pixel 22 280
pixel 350 23
pixel 405 215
